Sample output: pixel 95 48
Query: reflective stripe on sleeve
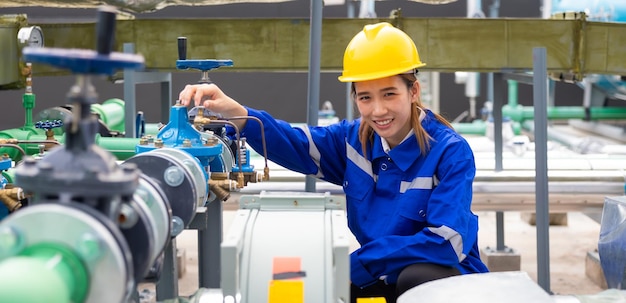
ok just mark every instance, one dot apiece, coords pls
pixel 453 237
pixel 314 153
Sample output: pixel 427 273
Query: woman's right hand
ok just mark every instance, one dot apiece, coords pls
pixel 212 98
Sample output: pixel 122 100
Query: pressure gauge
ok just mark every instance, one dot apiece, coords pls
pixel 30 36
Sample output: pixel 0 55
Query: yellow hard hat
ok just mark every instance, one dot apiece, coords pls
pixel 379 50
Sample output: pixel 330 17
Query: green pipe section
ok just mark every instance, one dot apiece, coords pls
pixel 122 148
pixel 111 112
pixel 152 128
pixel 28 102
pixel 479 127
pixel 22 134
pixel 513 95
pixel 9 174
pixel 521 113
pixel 45 272
pixel 476 127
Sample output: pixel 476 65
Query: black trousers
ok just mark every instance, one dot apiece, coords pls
pixel 410 277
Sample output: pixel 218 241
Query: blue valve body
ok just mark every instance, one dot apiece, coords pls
pixel 177 131
pixel 4 165
pixel 245 166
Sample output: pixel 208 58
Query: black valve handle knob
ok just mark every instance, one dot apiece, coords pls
pixel 105 30
pixel 182 48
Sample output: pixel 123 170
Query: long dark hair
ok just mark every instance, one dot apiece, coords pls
pixel 366 133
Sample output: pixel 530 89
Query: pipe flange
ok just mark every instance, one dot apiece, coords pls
pixel 188 191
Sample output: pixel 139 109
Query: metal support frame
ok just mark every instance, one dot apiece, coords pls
pixel 131 79
pixel 540 101
pixel 499 94
pixel 209 226
pixel 315 54
pixel 167 285
pixel 208 223
pixel 541 98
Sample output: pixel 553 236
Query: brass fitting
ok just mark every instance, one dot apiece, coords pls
pixel 11 198
pixel 49 134
pixel 266 174
pixel 240 180
pixel 8 141
pixel 222 188
pixel 211 141
pixel 219 176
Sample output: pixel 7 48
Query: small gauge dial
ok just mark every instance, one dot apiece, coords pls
pixel 30 36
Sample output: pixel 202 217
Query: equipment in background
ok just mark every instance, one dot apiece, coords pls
pixel 88 225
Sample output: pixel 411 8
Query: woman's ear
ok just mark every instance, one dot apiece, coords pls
pixel 415 89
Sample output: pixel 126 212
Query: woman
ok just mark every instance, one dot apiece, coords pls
pixel 406 174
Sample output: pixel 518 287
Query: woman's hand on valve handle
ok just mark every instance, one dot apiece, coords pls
pixel 214 99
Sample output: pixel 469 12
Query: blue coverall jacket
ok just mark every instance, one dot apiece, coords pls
pixel 402 207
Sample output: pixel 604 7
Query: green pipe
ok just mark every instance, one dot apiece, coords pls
pixel 111 112
pixel 520 113
pixel 152 128
pixel 45 272
pixel 479 127
pixel 476 127
pixel 22 134
pixel 513 93
pixel 9 174
pixel 122 148
pixel 28 102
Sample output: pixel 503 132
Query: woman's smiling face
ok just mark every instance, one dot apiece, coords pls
pixel 385 105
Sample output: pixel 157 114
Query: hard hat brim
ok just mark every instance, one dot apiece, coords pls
pixel 378 75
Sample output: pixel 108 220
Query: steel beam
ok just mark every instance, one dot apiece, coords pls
pixel 445 44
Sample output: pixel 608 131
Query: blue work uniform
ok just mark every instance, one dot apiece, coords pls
pixel 402 207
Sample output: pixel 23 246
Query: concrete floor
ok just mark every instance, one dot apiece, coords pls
pixel 568 248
